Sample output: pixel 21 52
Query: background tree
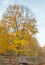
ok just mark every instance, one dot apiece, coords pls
pixel 19 29
pixel 43 51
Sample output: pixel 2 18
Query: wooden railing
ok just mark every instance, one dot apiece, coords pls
pixel 12 60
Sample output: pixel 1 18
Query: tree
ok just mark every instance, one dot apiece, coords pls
pixel 43 51
pixel 19 32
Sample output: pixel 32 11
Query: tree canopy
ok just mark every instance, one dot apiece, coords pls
pixel 17 32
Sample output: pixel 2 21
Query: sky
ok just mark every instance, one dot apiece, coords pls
pixel 37 7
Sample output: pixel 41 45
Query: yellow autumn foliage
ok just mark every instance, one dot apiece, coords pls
pixel 17 35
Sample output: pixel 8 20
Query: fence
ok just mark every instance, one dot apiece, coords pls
pixel 12 60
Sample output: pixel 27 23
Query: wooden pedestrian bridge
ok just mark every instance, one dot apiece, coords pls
pixel 12 60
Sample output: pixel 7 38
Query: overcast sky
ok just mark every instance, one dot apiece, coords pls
pixel 37 7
